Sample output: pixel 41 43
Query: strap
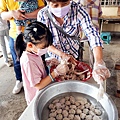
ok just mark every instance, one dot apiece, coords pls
pixel 51 77
pixel 62 31
pixel 50 74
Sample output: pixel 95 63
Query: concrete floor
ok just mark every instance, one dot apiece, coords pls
pixel 12 106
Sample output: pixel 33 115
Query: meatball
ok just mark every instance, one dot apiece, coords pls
pixel 78 111
pixel 91 113
pixel 65 113
pixel 82 115
pixel 72 100
pixel 58 105
pixel 66 108
pixel 67 103
pixel 55 101
pixel 66 119
pixel 92 107
pixel 63 106
pixel 85 111
pixel 77 117
pixel 51 106
pixel 71 116
pixel 51 118
pixel 87 105
pixel 73 106
pixel 52 110
pixel 82 100
pixel 96 118
pixel 77 103
pixel 88 117
pixel 59 111
pixel 52 114
pixel 81 107
pixel 59 117
pixel 67 98
pixel 62 101
pixel 98 112
pixel 72 111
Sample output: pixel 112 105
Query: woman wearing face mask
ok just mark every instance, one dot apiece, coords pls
pixel 73 18
pixel 30 49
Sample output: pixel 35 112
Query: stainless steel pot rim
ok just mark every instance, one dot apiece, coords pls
pixel 42 92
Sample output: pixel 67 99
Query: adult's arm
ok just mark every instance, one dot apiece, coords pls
pixel 16 14
pixel 33 14
pixel 62 54
pixel 98 54
pixel 55 50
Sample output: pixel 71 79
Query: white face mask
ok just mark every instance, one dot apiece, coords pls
pixel 40 52
pixel 60 12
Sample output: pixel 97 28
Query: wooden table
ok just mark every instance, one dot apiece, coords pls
pixel 108 20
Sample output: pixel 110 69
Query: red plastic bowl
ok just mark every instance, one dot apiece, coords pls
pixel 80 66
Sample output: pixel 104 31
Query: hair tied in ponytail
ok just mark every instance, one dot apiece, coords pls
pixel 34 29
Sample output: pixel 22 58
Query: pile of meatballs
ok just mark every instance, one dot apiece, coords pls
pixel 70 108
pixel 75 73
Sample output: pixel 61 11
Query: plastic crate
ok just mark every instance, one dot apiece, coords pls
pixel 106 37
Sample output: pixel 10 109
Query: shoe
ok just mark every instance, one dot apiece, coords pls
pixel 9 64
pixel 9 58
pixel 117 67
pixel 18 87
pixel 117 94
pixel 1 56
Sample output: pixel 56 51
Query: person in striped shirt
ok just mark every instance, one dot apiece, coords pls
pixel 94 9
pixel 72 17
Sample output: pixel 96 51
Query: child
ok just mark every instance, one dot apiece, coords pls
pixel 30 48
pixel 27 6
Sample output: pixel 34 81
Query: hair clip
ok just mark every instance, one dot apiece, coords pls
pixel 35 29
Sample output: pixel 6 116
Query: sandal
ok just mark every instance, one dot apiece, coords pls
pixel 117 94
pixel 117 67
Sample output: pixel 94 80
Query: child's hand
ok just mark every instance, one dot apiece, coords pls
pixel 51 61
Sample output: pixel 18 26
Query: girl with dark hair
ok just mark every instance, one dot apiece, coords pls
pixel 30 48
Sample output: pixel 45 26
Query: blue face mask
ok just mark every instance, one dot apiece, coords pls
pixel 61 11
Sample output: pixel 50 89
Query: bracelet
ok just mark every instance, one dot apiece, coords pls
pixel 51 77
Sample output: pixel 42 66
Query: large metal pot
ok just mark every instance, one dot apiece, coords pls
pixel 73 87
